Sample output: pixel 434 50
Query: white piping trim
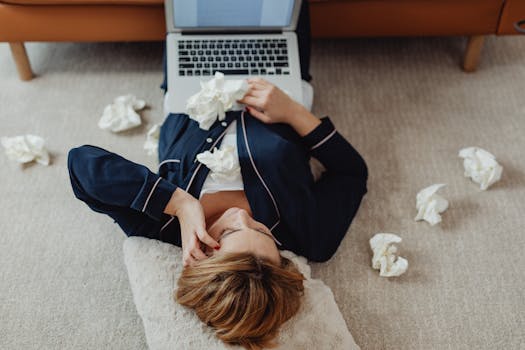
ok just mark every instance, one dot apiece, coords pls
pixel 150 193
pixel 169 161
pixel 198 167
pixel 323 140
pixel 166 224
pixel 257 172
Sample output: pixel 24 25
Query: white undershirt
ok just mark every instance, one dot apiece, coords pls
pixel 212 185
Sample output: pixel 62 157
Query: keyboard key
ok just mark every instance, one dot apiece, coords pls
pixel 206 72
pixel 186 65
pixel 280 64
pixel 182 73
pixel 254 71
pixel 184 59
pixel 282 58
pixel 189 73
pixel 263 71
pixel 233 71
pixel 197 72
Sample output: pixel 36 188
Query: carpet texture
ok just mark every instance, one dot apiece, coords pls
pixel 403 103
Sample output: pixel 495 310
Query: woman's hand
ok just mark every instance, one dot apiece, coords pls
pixel 192 226
pixel 268 103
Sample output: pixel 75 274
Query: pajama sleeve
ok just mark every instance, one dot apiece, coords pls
pixel 337 195
pixel 114 180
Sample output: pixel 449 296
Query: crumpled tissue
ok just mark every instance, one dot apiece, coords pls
pixel 481 166
pixel 217 96
pixel 121 114
pixel 152 140
pixel 26 148
pixel 385 259
pixel 430 204
pixel 223 163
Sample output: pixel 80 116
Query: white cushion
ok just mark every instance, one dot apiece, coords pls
pixel 153 269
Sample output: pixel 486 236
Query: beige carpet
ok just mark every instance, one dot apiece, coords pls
pixel 404 103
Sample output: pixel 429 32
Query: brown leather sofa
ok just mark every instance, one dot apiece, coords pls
pixel 142 20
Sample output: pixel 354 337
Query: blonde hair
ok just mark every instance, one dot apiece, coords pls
pixel 245 298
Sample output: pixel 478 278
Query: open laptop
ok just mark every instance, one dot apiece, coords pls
pixel 241 38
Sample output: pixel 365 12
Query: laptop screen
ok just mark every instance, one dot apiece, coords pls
pixel 232 13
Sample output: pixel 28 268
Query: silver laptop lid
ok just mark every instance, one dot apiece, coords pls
pixel 234 16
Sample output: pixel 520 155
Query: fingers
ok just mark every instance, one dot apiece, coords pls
pixel 207 239
pixel 252 101
pixel 258 81
pixel 187 260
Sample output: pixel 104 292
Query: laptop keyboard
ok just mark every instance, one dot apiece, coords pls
pixel 233 56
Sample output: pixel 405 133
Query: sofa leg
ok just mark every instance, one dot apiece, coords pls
pixel 473 53
pixel 18 50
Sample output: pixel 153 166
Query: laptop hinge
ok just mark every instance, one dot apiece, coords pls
pixel 226 32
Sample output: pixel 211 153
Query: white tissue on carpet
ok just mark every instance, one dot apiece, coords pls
pixel 153 269
pixel 430 204
pixel 385 259
pixel 151 145
pixel 121 114
pixel 26 148
pixel 481 166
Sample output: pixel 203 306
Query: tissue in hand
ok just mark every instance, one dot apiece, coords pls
pixel 121 114
pixel 429 204
pixel 152 140
pixel 25 149
pixel 481 166
pixel 217 96
pixel 384 258
pixel 223 163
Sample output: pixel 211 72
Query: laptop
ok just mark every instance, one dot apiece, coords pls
pixel 240 38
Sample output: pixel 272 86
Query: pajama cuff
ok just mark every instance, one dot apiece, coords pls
pixel 154 196
pixel 322 133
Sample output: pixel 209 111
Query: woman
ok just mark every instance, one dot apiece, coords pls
pixel 234 276
pixel 231 230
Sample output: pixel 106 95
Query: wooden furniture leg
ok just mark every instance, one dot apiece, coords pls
pixel 473 53
pixel 18 50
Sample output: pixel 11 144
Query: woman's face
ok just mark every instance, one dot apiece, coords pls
pixel 236 231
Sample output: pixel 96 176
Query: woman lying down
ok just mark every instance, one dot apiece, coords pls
pixel 232 226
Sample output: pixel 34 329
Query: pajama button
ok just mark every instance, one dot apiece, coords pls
pixel 209 140
pixel 224 123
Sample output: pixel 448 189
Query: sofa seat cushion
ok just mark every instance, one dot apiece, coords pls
pixel 84 2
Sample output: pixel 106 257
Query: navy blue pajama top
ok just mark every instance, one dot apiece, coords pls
pixel 309 218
